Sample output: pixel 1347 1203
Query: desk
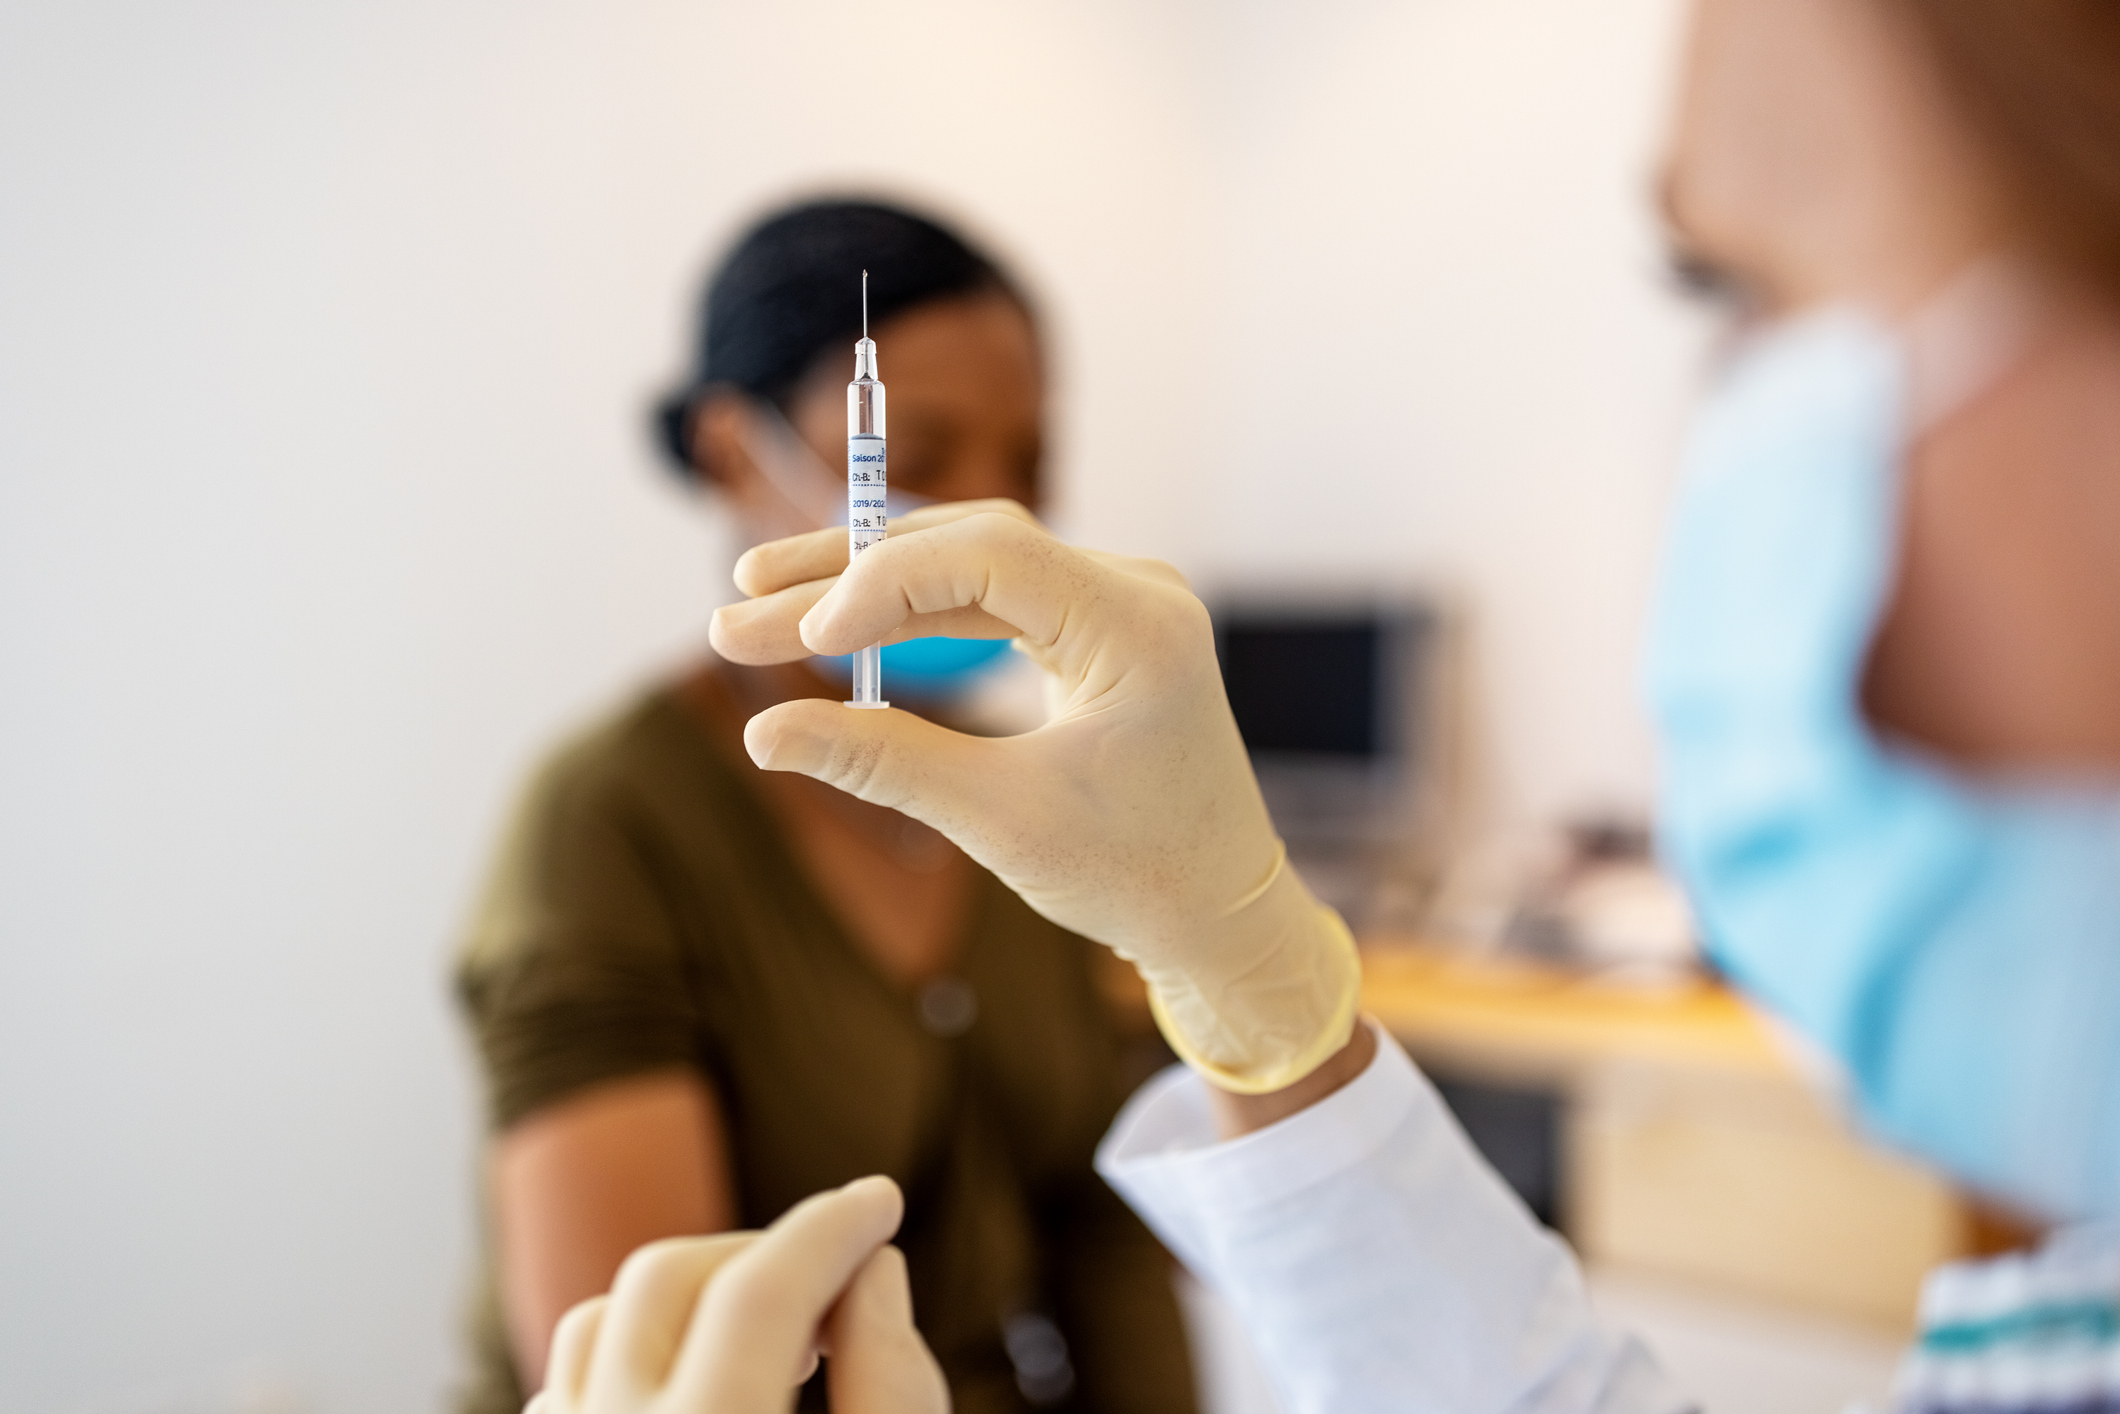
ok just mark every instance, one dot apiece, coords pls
pixel 1692 1146
pixel 1522 1021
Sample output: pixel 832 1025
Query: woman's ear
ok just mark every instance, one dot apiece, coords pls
pixel 716 443
pixel 738 446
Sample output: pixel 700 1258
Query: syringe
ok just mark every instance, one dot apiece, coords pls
pixel 868 479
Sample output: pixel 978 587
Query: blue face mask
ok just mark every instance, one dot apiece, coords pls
pixel 927 669
pixel 924 669
pixel 920 669
pixel 1956 945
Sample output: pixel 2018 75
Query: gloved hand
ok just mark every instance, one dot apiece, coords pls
pixel 1131 817
pixel 734 1324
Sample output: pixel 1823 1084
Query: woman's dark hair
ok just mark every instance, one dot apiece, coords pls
pixel 2042 79
pixel 790 289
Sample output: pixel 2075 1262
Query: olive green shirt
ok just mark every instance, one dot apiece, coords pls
pixel 647 912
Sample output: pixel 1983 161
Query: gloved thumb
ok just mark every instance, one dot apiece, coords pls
pixel 884 757
pixel 877 1363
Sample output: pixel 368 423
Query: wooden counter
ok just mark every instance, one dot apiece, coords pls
pixel 1693 1146
pixel 1540 1024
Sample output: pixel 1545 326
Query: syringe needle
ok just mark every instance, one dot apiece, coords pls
pixel 864 304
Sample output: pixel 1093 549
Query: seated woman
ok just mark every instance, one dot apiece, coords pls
pixel 703 992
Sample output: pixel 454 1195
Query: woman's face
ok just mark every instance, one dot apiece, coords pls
pixel 966 419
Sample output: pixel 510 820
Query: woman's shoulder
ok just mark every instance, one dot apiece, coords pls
pixel 631 742
pixel 575 835
pixel 643 754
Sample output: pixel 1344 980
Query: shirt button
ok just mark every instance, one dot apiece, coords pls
pixel 948 1007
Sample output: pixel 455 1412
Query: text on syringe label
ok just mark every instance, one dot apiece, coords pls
pixel 868 479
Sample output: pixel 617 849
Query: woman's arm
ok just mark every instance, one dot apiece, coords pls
pixel 579 1184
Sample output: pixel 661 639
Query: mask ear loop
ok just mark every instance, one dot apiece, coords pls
pixel 1968 336
pixel 824 508
pixel 807 494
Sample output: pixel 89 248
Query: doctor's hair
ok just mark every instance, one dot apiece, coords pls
pixel 789 292
pixel 2040 80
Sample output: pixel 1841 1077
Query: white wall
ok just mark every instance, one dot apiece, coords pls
pixel 325 332
pixel 1448 335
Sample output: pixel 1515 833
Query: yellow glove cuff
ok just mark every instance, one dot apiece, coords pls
pixel 1270 996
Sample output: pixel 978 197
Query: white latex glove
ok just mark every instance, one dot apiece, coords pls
pixel 733 1324
pixel 1131 817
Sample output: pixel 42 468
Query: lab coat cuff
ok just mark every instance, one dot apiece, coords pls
pixel 1162 1153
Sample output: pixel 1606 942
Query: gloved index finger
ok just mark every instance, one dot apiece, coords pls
pixel 820 554
pixel 765 629
pixel 752 1334
pixel 573 1342
pixel 1016 573
pixel 640 1329
pixel 782 564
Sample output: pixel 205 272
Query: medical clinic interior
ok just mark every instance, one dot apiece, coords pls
pixel 1357 450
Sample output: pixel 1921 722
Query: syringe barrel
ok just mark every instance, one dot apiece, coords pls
pixel 868 486
pixel 868 678
pixel 864 408
pixel 868 466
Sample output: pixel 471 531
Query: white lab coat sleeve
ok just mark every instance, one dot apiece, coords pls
pixel 1376 1260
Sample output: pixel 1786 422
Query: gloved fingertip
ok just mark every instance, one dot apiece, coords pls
pixel 879 1189
pixel 718 630
pixel 746 576
pixel 777 740
pixel 758 744
pixel 812 625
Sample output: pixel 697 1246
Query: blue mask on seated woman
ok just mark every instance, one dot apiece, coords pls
pixel 1954 943
pixel 928 669
pixel 919 669
pixel 924 669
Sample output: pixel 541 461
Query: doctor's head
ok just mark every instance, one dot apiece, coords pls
pixel 1889 624
pixel 761 417
pixel 1867 154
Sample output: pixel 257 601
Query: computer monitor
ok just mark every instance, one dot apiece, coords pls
pixel 1334 700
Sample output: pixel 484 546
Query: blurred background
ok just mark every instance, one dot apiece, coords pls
pixel 327 334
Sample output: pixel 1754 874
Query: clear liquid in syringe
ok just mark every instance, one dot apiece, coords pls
pixel 868 487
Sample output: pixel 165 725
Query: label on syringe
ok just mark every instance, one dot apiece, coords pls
pixel 868 480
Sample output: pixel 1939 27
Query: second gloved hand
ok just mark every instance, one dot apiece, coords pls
pixel 1131 817
pixel 735 1323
